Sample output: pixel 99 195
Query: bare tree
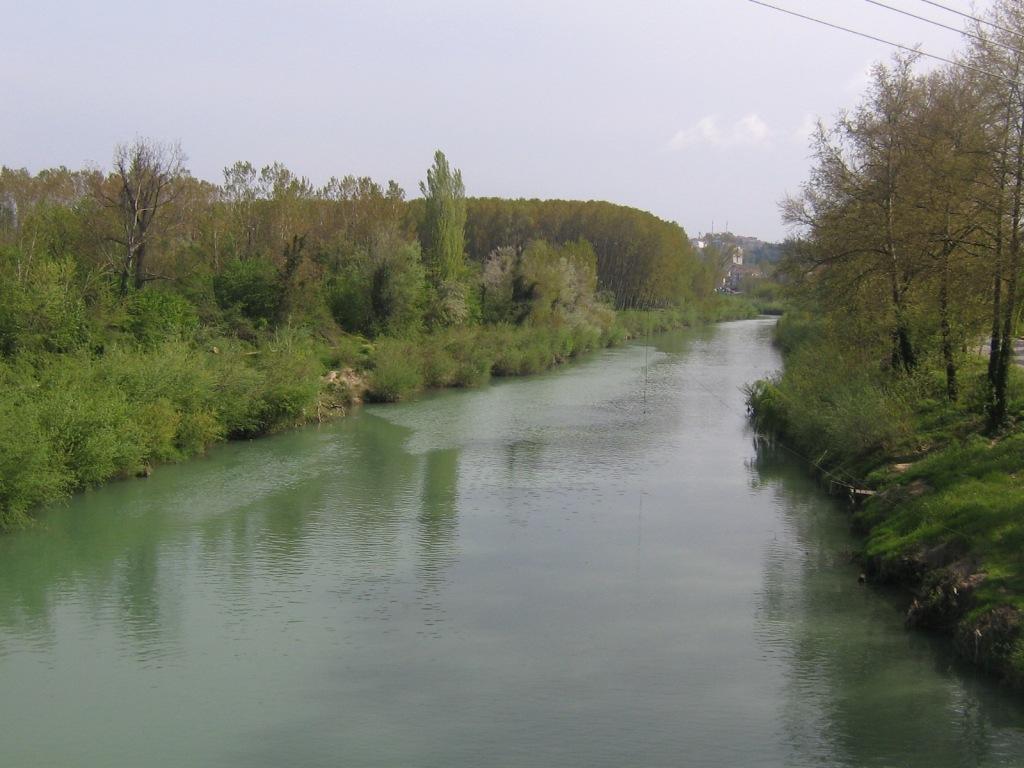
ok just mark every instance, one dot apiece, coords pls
pixel 146 175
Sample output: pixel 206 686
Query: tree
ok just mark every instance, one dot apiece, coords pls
pixel 996 52
pixel 240 193
pixel 859 211
pixel 146 174
pixel 949 144
pixel 444 235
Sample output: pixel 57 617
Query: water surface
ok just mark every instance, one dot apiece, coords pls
pixel 592 567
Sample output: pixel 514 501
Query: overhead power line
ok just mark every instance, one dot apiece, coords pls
pixel 966 33
pixel 976 19
pixel 868 36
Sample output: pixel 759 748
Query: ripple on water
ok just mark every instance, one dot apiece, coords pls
pixel 582 569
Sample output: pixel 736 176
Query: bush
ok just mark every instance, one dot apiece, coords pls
pixel 30 472
pixel 291 369
pixel 251 287
pixel 471 354
pixel 348 296
pixel 155 316
pixel 832 403
pixel 396 371
pixel 159 422
pixel 795 329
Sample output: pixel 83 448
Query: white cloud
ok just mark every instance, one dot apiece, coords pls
pixel 705 131
pixel 749 130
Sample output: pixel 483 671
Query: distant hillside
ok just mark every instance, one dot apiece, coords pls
pixel 755 251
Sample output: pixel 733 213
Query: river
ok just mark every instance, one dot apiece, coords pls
pixel 593 567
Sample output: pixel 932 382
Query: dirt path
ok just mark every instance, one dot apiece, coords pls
pixel 1018 351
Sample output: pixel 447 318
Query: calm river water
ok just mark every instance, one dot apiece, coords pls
pixel 576 569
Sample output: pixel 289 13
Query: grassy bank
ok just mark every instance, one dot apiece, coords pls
pixel 718 308
pixel 75 421
pixel 469 356
pixel 69 422
pixel 945 518
pixel 236 310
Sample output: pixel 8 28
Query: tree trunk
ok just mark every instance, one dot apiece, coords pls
pixel 947 335
pixel 140 266
pixel 1004 355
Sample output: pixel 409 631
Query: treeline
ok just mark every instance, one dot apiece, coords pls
pixel 899 375
pixel 145 314
pixel 910 226
pixel 642 261
pixel 267 246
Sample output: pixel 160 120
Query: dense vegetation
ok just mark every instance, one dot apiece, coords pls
pixel 899 374
pixel 642 261
pixel 145 314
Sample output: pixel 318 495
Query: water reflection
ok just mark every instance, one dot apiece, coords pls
pixel 125 557
pixel 588 568
pixel 438 514
pixel 853 675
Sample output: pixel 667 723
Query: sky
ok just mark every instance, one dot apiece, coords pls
pixel 696 110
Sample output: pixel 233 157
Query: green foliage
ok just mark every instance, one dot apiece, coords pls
pixel 795 329
pixel 94 437
pixel 348 296
pixel 251 287
pixel 444 222
pixel 557 283
pixel 397 288
pixel 155 316
pixel 30 471
pixel 43 309
pixel 381 290
pixel 715 309
pixel 721 307
pixel 397 371
pixel 833 404
pixel 642 261
pixel 767 295
pixel 497 286
pixel 291 370
pixel 220 316
pixel 468 356
pixel 473 359
pixel 76 421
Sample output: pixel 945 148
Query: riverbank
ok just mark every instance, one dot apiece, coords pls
pixel 74 421
pixel 942 512
pixel 550 534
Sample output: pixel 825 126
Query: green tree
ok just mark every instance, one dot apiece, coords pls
pixel 997 53
pixel 859 214
pixel 444 238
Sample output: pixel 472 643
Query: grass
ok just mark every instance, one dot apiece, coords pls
pixel 468 356
pixel 947 518
pixel 84 418
pixel 80 420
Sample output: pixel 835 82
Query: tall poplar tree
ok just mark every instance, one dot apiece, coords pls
pixel 444 238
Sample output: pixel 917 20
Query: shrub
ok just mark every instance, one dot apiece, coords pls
pixel 94 436
pixel 250 286
pixel 396 371
pixel 30 472
pixel 155 316
pixel 832 403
